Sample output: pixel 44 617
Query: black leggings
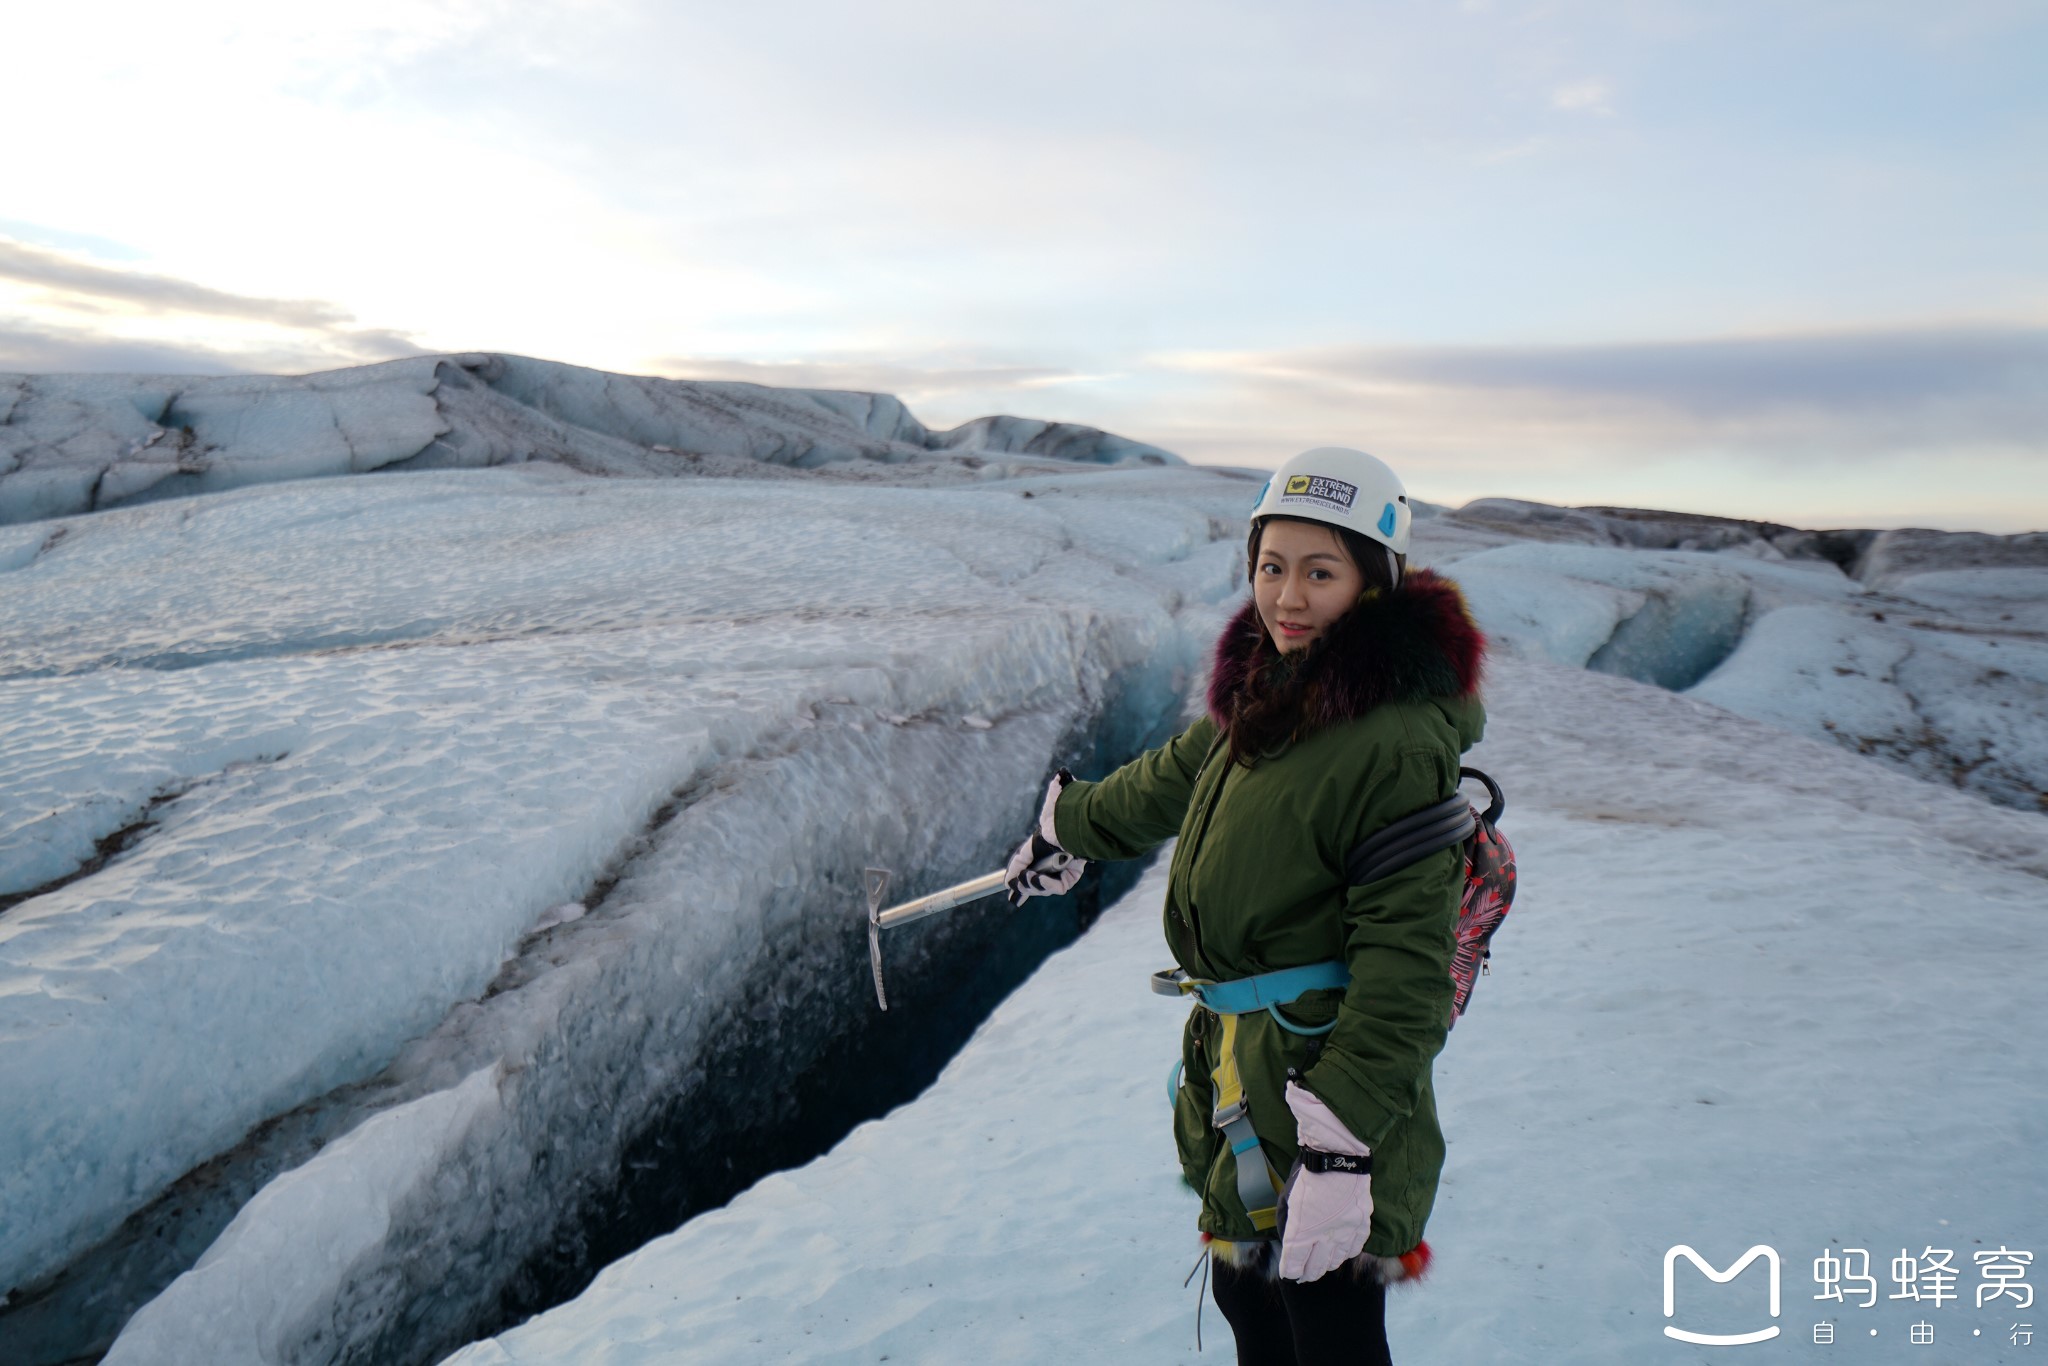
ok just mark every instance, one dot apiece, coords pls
pixel 1340 1320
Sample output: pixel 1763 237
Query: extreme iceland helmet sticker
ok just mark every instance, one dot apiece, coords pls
pixel 1334 494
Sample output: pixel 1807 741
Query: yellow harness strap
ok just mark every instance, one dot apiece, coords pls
pixel 1255 1184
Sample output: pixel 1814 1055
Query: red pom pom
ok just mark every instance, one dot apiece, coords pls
pixel 1415 1261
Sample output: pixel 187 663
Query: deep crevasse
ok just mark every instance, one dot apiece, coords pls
pixel 1740 1001
pixel 588 652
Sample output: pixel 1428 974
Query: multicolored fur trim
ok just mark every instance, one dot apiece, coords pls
pixel 1263 1256
pixel 1415 642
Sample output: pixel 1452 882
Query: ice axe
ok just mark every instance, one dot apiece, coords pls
pixel 959 894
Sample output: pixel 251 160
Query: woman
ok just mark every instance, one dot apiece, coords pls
pixel 1341 699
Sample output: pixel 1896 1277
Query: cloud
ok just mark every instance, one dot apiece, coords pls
pixel 148 322
pixel 1527 147
pixel 1721 378
pixel 157 293
pixel 908 381
pixel 1591 97
pixel 85 243
pixel 39 351
pixel 32 347
pixel 1812 398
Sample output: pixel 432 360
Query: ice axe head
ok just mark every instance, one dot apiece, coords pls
pixel 877 880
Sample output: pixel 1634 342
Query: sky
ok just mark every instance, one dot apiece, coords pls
pixel 1765 260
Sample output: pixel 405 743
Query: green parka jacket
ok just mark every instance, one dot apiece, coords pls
pixel 1390 701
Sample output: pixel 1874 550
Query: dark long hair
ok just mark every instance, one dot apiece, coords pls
pixel 1266 713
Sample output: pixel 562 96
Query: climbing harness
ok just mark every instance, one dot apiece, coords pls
pixel 1488 890
pixel 1268 991
pixel 1257 1185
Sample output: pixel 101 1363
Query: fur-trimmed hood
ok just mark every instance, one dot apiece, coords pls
pixel 1416 642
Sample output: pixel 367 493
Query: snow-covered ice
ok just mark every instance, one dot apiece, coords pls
pixel 381 729
pixel 424 841
pixel 1755 990
pixel 1911 552
pixel 351 1194
pixel 77 443
pixel 1942 672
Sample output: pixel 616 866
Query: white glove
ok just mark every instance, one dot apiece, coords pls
pixel 1324 1214
pixel 1040 867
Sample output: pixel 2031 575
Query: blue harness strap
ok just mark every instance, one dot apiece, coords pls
pixel 1246 994
pixel 1257 1183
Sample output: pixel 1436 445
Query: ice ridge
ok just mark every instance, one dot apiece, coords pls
pixel 80 443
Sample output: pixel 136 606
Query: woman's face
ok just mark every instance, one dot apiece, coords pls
pixel 1302 583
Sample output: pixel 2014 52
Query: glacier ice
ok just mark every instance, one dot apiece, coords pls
pixel 1910 553
pixel 1948 696
pixel 383 728
pixel 302 781
pixel 1663 617
pixel 1940 671
pixel 77 443
pixel 1742 1000
pixel 260 1289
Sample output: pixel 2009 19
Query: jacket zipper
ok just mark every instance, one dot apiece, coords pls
pixel 1182 854
pixel 1192 920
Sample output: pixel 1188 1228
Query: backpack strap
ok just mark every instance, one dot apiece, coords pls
pixel 1410 839
pixel 1497 806
pixel 1416 836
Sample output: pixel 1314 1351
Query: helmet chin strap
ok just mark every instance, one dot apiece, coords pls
pixel 1393 566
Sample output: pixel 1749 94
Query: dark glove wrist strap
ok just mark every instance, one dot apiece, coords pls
pixel 1043 848
pixel 1314 1161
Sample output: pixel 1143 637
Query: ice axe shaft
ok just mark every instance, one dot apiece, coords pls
pixel 945 899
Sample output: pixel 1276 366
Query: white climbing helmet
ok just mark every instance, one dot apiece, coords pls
pixel 1343 487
